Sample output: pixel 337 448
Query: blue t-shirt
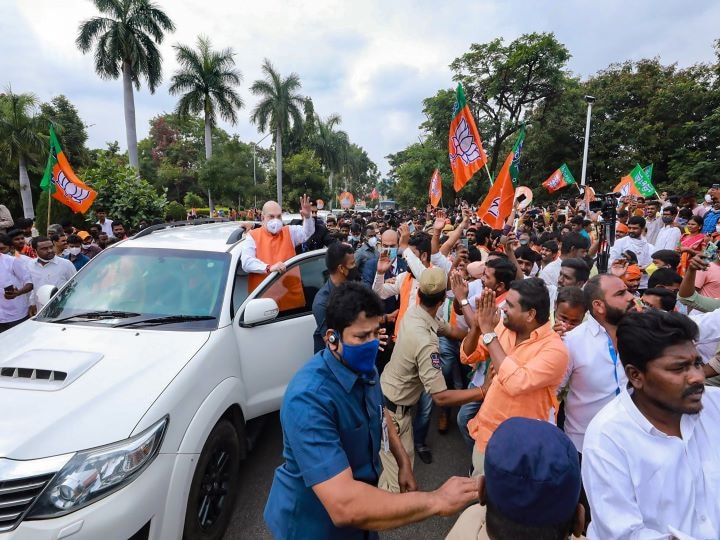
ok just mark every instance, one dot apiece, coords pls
pixel 319 309
pixel 710 219
pixel 331 420
pixel 80 261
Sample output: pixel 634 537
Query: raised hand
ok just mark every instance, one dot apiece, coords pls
pixel 458 285
pixel 488 314
pixel 384 263
pixel 439 224
pixel 305 206
pixel 404 231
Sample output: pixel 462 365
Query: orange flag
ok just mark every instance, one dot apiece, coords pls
pixel 627 187
pixel 435 189
pixel 498 204
pixel 465 148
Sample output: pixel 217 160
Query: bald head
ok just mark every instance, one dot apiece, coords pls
pixel 390 238
pixel 270 210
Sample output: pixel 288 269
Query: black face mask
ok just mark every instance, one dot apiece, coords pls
pixel 353 275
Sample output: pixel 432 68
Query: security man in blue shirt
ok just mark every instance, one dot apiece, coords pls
pixel 334 426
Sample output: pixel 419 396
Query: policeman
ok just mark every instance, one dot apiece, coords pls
pixel 416 365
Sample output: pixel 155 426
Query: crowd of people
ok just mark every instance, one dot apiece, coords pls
pixel 30 260
pixel 585 394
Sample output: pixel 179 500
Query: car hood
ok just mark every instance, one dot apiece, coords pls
pixel 65 388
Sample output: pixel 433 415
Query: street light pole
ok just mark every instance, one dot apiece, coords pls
pixel 590 100
pixel 254 160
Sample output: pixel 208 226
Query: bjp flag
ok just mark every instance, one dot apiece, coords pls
pixel 435 189
pixel 627 187
pixel 60 180
pixel 498 204
pixel 465 148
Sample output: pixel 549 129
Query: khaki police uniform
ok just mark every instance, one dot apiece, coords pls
pixel 415 366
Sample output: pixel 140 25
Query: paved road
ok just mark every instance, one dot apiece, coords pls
pixel 451 457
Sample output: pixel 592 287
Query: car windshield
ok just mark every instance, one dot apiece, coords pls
pixel 174 288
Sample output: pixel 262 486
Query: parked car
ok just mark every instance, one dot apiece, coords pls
pixel 126 400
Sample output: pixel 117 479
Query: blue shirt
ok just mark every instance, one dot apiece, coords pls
pixel 710 219
pixel 331 420
pixel 319 308
pixel 80 260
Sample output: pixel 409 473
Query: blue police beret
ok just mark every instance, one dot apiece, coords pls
pixel 532 473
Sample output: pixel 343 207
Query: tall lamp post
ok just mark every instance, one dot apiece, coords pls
pixel 254 160
pixel 590 100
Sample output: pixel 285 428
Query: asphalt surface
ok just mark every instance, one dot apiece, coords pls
pixel 450 457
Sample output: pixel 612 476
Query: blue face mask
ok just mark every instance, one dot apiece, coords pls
pixel 393 253
pixel 361 358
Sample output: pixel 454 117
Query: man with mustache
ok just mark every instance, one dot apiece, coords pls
pixel 651 460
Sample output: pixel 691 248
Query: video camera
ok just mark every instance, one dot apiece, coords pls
pixel 606 205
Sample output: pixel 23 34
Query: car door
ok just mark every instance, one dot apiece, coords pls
pixel 271 352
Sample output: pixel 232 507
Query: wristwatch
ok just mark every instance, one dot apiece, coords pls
pixel 487 338
pixel 464 302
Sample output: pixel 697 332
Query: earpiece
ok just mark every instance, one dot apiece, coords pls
pixel 333 338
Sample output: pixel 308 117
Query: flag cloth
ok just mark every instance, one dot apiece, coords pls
pixel 642 181
pixel 435 189
pixel 648 171
pixel 559 179
pixel 60 180
pixel 626 187
pixel 465 148
pixel 498 204
pixel 517 149
pixel 374 194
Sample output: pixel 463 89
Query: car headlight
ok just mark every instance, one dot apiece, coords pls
pixel 93 474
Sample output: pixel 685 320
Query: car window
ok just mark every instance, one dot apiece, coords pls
pixel 240 288
pixel 148 282
pixel 295 290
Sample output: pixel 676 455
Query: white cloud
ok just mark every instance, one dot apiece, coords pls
pixel 372 62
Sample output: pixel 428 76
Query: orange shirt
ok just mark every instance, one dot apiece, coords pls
pixel 526 383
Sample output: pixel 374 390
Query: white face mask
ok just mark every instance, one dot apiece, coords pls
pixel 274 226
pixel 708 198
pixel 66 252
pixel 74 251
pixel 372 241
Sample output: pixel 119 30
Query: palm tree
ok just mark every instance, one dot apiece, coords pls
pixel 21 138
pixel 126 40
pixel 278 105
pixel 330 145
pixel 207 79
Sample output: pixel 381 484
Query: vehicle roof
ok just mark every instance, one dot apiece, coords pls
pixel 205 237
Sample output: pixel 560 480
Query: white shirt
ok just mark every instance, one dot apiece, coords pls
pixel 551 272
pixel 667 238
pixel 106 227
pixel 298 235
pixel 13 271
pixel 639 247
pixel 386 290
pixel 57 273
pixel 708 334
pixel 653 227
pixel 644 484
pixel 592 376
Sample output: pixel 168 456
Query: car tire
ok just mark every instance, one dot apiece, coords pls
pixel 214 486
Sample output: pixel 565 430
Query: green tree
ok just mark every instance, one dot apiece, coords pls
pixel 411 169
pixel 21 139
pixel 330 145
pixel 230 173
pixel 503 82
pixel 305 176
pixel 279 106
pixel 70 129
pixel 192 200
pixel 126 197
pixel 207 81
pixel 126 38
pixel 174 211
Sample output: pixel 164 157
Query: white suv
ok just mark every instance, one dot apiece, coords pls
pixel 125 401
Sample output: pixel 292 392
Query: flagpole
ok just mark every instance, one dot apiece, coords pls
pixel 488 173
pixel 49 203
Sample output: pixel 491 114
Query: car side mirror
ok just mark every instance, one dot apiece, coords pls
pixel 44 294
pixel 259 310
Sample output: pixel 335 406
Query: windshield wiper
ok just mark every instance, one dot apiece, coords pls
pixel 170 319
pixel 98 315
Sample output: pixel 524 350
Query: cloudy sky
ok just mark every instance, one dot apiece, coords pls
pixel 370 61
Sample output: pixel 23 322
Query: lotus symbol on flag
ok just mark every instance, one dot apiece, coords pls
pixel 625 190
pixel 464 144
pixel 72 191
pixel 494 209
pixel 554 181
